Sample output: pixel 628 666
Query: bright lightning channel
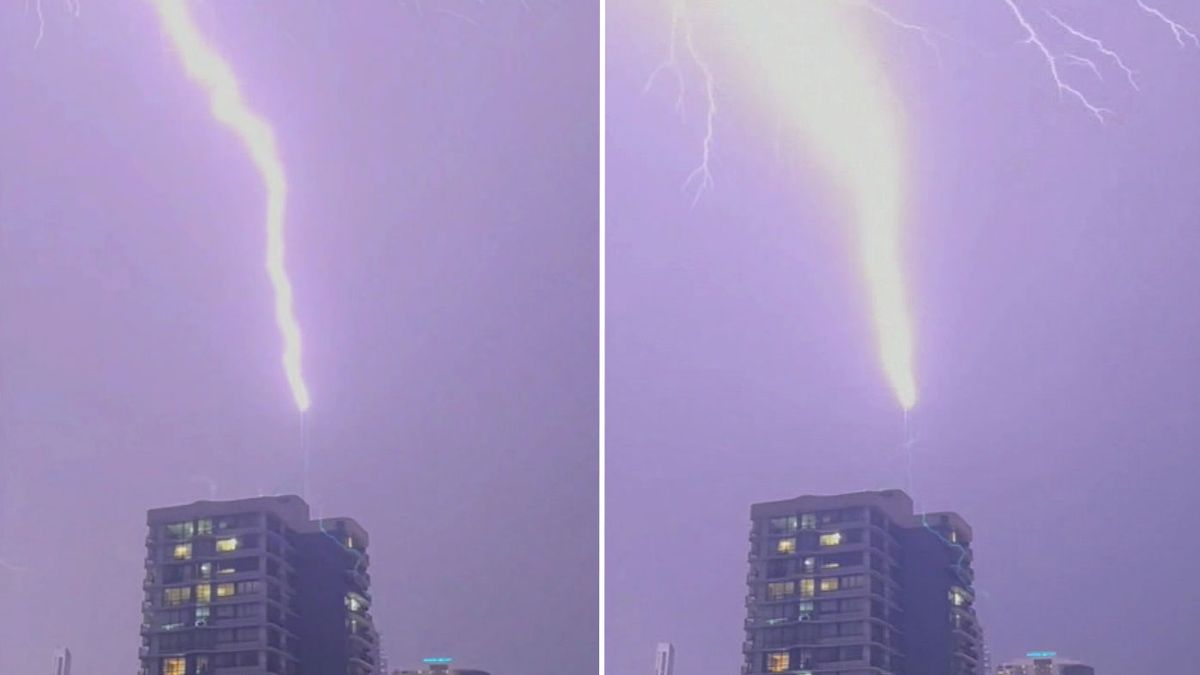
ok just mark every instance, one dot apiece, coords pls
pixel 206 67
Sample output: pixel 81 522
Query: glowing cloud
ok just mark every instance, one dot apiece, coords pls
pixel 823 79
pixel 215 76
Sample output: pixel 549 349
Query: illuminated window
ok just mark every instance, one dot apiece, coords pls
pixel 174 666
pixel 349 542
pixel 810 564
pixel 807 587
pixel 205 570
pixel 786 545
pixel 226 590
pixel 203 593
pixel 808 521
pixel 176 596
pixel 830 584
pixel 780 589
pixel 202 614
pixel 778 662
pixel 354 603
pixel 227 545
pixel 957 597
pixel 204 526
pixel 183 551
pixel 180 530
pixel 831 539
pixel 953 537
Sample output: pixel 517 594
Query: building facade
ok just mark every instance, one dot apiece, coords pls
pixel 254 586
pixel 1044 663
pixel 859 584
pixel 664 659
pixel 62 662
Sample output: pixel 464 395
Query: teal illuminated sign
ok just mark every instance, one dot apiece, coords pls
pixel 439 659
pixel 1041 655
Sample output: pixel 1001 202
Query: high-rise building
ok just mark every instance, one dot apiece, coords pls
pixel 439 666
pixel 254 586
pixel 62 662
pixel 858 584
pixel 1044 663
pixel 664 659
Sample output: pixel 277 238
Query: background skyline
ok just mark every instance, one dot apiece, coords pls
pixel 1049 260
pixel 441 235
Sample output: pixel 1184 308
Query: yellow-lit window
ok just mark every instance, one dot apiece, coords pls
pixel 227 545
pixel 807 586
pixel 831 539
pixel 786 545
pixel 183 551
pixel 226 590
pixel 203 593
pixel 778 662
pixel 176 596
pixel 830 584
pixel 780 589
pixel 174 666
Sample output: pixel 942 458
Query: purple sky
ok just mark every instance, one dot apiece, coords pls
pixel 1053 267
pixel 442 238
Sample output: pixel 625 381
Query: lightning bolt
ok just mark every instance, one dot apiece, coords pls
pixel 926 34
pixel 700 179
pixel 215 76
pixel 1179 31
pixel 1099 45
pixel 1032 38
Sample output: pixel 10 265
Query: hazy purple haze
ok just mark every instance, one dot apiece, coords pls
pixel 442 239
pixel 1053 266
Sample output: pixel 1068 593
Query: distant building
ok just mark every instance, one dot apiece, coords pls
pixel 62 662
pixel 253 586
pixel 439 666
pixel 858 583
pixel 1044 663
pixel 664 659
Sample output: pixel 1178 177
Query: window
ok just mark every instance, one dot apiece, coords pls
pixel 174 666
pixel 180 530
pixel 183 551
pixel 205 570
pixel 176 596
pixel 810 563
pixel 807 587
pixel 244 587
pixel 831 539
pixel 853 581
pixel 780 589
pixel 203 593
pixel 786 545
pixel 227 545
pixel 204 526
pixel 226 590
pixel 808 521
pixel 202 614
pixel 829 584
pixel 777 662
pixel 784 525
